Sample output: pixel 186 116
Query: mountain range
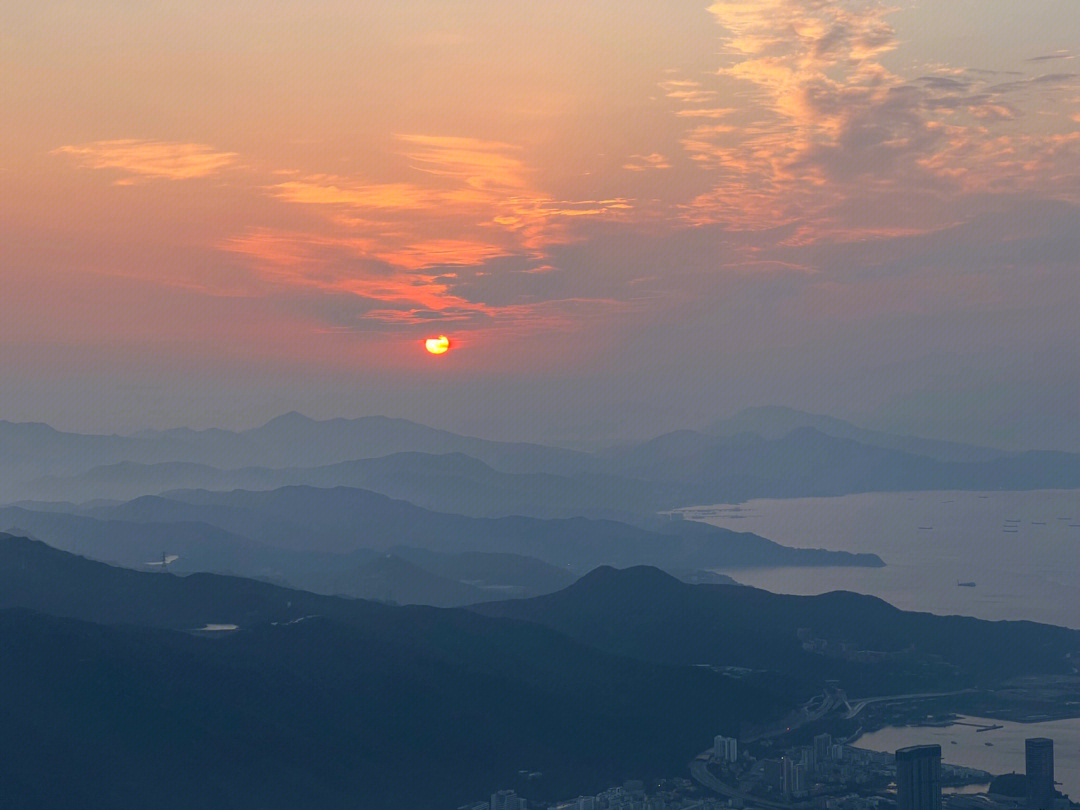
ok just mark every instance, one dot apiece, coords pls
pixel 332 540
pixel 762 452
pixel 111 701
pixel 116 692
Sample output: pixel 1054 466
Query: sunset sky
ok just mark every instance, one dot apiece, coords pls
pixel 627 216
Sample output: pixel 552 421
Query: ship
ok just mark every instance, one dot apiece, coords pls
pixel 965 584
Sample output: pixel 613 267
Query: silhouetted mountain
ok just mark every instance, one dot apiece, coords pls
pixel 341 520
pixel 809 463
pixel 31 450
pixel 510 574
pixel 294 439
pixel 645 613
pixel 433 579
pixel 38 577
pixel 390 578
pixel 702 577
pixel 357 705
pixel 759 453
pixel 773 422
pixel 451 482
pixel 199 546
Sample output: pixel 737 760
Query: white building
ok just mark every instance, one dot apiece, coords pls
pixel 726 749
pixel 507 800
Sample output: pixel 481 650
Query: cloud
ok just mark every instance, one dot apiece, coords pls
pixel 1047 57
pixel 149 159
pixel 641 163
pixel 464 201
pixel 821 128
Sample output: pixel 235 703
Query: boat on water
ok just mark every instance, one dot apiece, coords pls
pixel 965 584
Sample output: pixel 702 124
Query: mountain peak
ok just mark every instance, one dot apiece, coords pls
pixel 638 577
pixel 289 419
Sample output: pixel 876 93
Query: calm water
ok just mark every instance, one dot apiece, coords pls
pixel 1022 549
pixel 1006 755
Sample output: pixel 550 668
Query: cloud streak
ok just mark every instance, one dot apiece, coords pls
pixel 820 127
pixel 143 159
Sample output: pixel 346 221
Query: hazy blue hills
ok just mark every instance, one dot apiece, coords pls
pixel 450 482
pixel 773 422
pixel 491 571
pixel 762 452
pixel 314 700
pixel 422 576
pixel 38 577
pixel 341 520
pixel 331 541
pixel 809 463
pixel 31 450
pixel 644 613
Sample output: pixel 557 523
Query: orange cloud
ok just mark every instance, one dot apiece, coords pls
pixel 640 163
pixel 466 201
pixel 824 127
pixel 150 159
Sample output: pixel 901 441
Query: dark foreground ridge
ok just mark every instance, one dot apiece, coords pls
pixel 113 702
pixel 866 643
pixel 313 701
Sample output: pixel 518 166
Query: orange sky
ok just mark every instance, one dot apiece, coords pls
pixel 319 186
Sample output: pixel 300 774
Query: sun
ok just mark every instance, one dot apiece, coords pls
pixel 437 345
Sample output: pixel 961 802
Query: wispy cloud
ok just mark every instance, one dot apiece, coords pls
pixel 466 201
pixel 394 246
pixel 149 159
pixel 641 163
pixel 820 122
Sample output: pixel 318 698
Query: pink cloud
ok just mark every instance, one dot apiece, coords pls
pixel 149 159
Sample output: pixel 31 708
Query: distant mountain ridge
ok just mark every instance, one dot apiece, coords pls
pixel 809 463
pixel 343 520
pixel 421 576
pixel 775 422
pixel 288 440
pixel 358 543
pixel 758 453
pixel 449 482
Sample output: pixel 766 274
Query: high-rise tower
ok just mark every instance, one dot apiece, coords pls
pixel 918 778
pixel 1039 753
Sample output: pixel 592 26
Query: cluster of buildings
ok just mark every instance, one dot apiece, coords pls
pixel 674 794
pixel 918 778
pixel 824 775
pixel 790 776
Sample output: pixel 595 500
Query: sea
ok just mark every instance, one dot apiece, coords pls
pixel 998 751
pixel 1020 551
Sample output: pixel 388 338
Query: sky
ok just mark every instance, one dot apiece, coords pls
pixel 628 217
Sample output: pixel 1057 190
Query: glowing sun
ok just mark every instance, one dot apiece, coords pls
pixel 437 345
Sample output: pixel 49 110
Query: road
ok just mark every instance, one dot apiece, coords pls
pixel 701 775
pixel 800 717
pixel 856 706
